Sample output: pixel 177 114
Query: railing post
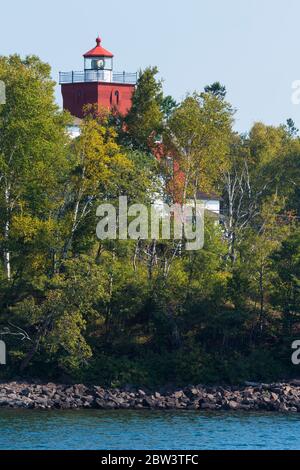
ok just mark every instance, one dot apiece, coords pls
pixel 72 76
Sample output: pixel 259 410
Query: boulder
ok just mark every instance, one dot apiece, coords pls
pixel 233 405
pixel 208 406
pixel 179 394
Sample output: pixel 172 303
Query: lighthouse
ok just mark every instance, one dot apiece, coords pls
pixel 97 84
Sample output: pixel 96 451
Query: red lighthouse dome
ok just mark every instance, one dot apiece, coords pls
pixel 98 51
pixel 97 84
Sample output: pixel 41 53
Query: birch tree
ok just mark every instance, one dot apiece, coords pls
pixel 197 137
pixel 32 143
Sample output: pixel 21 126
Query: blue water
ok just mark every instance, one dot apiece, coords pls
pixel 129 430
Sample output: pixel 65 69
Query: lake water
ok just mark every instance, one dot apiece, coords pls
pixel 129 430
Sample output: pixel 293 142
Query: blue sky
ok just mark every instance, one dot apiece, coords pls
pixel 251 46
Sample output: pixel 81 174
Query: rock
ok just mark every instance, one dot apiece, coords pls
pixel 65 406
pixel 109 405
pixel 179 394
pixel 51 385
pixel 247 401
pixel 283 408
pixel 125 406
pixel 41 401
pixel 293 409
pixel 100 403
pixel 193 406
pixel 266 400
pixel 4 402
pixel 274 396
pixel 253 384
pixel 277 390
pixel 138 406
pixel 12 397
pixel 191 392
pixel 89 399
pixel 57 404
pixel 161 406
pixel 170 403
pixel 233 405
pixel 80 389
pixel 208 406
pixel 148 403
pixel 211 398
pixel 244 407
pixel 280 397
pixel 180 405
pixel 295 383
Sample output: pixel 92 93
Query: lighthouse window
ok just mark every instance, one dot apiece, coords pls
pixel 108 64
pixel 117 95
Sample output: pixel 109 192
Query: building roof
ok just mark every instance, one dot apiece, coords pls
pixel 98 51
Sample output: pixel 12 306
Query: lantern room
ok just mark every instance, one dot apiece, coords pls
pixel 99 61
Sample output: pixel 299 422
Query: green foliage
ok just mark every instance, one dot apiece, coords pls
pixel 216 89
pixel 168 106
pixel 148 109
pixel 145 312
pixel 198 134
pixel 286 293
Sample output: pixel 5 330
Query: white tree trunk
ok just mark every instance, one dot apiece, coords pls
pixel 7 264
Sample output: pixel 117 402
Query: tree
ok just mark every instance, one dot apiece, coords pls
pixel 144 311
pixel 265 143
pixel 217 90
pixel 168 106
pixel 197 137
pixel 32 149
pixel 291 128
pixel 241 197
pixel 59 322
pixel 98 163
pixel 260 240
pixel 148 108
pixel 286 291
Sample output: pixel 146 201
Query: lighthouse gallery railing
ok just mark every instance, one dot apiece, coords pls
pixel 97 76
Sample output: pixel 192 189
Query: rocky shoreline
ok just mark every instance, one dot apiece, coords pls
pixel 280 397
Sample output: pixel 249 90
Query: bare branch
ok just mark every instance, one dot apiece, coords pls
pixel 19 332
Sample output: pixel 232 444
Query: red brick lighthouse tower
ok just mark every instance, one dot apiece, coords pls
pixel 97 84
